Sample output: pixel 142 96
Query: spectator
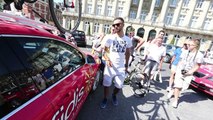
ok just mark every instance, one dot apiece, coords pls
pixel 155 55
pixel 118 48
pixel 98 50
pixel 173 64
pixel 190 62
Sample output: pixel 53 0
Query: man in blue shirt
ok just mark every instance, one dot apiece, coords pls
pixel 173 64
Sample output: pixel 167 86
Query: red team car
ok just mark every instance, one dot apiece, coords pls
pixel 204 79
pixel 42 76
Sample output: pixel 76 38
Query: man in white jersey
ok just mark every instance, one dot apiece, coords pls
pixel 156 53
pixel 117 53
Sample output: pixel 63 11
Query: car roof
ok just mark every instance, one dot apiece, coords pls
pixel 15 25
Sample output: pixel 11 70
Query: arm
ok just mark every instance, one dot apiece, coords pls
pixel 127 55
pixel 161 62
pixel 173 58
pixel 141 41
pixel 195 68
pixel 106 57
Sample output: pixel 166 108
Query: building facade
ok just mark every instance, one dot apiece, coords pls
pixel 181 19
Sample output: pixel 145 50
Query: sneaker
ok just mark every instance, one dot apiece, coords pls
pixel 104 103
pixel 174 104
pixel 170 94
pixel 168 89
pixel 114 100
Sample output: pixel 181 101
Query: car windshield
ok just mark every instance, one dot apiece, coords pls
pixel 210 78
pixel 199 74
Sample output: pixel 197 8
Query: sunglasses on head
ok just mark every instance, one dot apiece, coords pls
pixel 117 24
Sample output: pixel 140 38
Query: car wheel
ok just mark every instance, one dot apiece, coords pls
pixel 97 80
pixel 167 58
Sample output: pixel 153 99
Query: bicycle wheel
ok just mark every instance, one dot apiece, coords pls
pixel 71 12
pixel 136 82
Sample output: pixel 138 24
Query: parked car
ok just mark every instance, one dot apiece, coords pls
pixel 169 52
pixel 80 38
pixel 203 79
pixel 42 75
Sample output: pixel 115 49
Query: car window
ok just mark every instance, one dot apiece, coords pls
pixel 77 36
pixel 198 74
pixel 30 65
pixel 168 47
pixel 16 85
pixel 210 78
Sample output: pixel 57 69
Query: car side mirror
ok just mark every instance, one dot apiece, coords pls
pixel 90 59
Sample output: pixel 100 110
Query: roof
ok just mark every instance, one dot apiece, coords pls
pixel 10 24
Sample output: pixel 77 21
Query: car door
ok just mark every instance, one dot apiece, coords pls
pixel 20 93
pixel 69 88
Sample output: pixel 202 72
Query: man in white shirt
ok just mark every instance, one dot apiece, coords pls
pixel 156 53
pixel 117 52
pixel 190 62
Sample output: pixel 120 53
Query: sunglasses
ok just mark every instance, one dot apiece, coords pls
pixel 191 45
pixel 117 24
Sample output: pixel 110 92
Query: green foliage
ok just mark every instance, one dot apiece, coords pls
pixel 172 41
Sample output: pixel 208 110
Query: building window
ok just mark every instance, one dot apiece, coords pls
pixel 132 14
pixel 106 28
pixel 89 8
pixel 154 17
pixel 194 22
pixel 165 38
pixel 98 10
pixel 86 26
pixel 188 38
pixel 135 2
pixel 96 27
pixel 173 3
pixel 120 11
pixel 109 11
pixel 176 38
pixel 199 3
pixel 169 18
pixel 207 23
pixel 157 3
pixel 181 20
pixel 211 6
pixel 186 3
pixel 143 15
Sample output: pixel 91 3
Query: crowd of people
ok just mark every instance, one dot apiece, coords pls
pixel 116 49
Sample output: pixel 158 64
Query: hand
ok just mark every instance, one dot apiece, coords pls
pixel 109 63
pixel 188 73
pixel 126 70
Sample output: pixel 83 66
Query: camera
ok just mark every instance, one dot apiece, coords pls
pixel 183 72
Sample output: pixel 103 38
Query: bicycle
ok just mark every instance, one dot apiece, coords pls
pixel 64 4
pixel 138 80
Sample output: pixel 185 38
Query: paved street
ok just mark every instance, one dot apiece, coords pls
pixel 154 106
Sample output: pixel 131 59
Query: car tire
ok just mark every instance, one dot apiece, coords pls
pixel 167 58
pixel 97 80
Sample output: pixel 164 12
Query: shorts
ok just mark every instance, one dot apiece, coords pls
pixel 182 82
pixel 150 67
pixel 115 74
pixel 174 68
